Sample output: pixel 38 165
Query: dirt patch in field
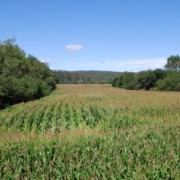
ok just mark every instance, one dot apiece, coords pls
pixel 9 137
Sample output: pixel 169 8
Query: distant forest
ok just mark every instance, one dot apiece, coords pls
pixel 86 77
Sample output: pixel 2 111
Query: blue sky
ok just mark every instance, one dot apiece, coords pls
pixel 115 35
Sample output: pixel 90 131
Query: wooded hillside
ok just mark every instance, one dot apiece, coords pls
pixel 86 77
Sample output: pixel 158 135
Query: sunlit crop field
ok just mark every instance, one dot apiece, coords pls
pixel 92 132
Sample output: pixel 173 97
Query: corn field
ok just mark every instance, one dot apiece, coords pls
pixel 92 132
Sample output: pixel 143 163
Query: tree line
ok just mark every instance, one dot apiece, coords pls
pixel 22 77
pixel 167 79
pixel 85 77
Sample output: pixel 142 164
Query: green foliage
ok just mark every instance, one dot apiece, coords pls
pixel 168 80
pixel 150 155
pixel 160 74
pixel 60 137
pixel 85 77
pixel 159 79
pixel 173 63
pixel 22 78
pixel 147 79
pixel 116 82
pixel 135 81
pixel 127 80
pixel 170 83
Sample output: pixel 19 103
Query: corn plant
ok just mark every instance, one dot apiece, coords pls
pixel 20 122
pixel 87 118
pixel 30 121
pixel 39 119
pixel 75 117
pixel 126 135
pixel 96 113
pixel 67 116
pixel 10 121
pixel 48 119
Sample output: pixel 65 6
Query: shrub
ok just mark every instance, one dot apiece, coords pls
pixel 170 83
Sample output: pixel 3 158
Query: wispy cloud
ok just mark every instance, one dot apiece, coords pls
pixel 73 47
pixel 134 65
pixel 49 60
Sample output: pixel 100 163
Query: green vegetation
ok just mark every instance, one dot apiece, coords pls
pixel 165 80
pixel 22 78
pixel 87 131
pixel 92 132
pixel 85 77
pixel 173 63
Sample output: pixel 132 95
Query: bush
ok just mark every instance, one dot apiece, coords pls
pixel 170 83
pixel 126 80
pixel 147 79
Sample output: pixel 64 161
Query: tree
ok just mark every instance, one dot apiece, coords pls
pixel 165 80
pixel 86 77
pixel 160 74
pixel 170 83
pixel 147 79
pixel 115 82
pixel 22 78
pixel 173 63
pixel 128 80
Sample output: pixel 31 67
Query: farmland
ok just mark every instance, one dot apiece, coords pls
pixel 92 132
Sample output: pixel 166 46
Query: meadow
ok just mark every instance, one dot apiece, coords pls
pixel 92 132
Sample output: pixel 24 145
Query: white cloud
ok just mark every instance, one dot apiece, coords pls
pixel 73 47
pixel 134 64
pixel 120 65
pixel 49 61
